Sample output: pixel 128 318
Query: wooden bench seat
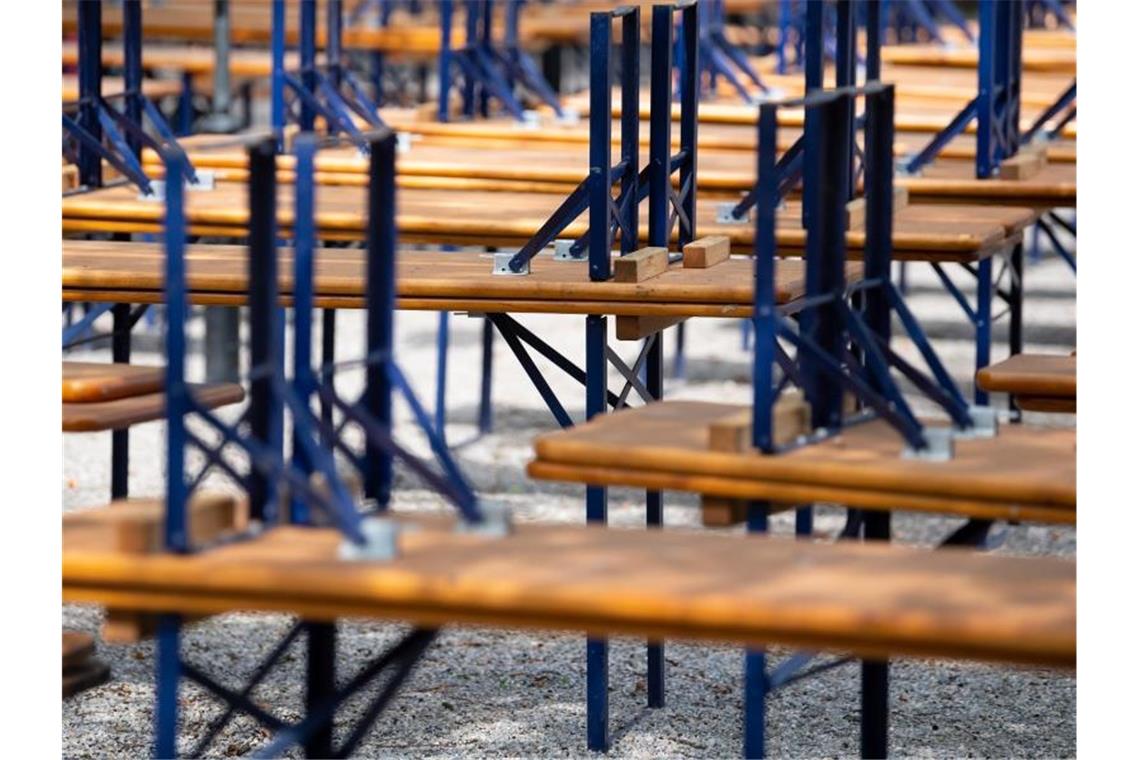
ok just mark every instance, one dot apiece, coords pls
pixel 122 413
pixel 217 274
pixel 99 381
pixel 931 233
pixel 867 599
pixel 1025 473
pixel 1038 382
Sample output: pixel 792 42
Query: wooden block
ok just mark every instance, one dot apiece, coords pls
pixel 77 647
pixel 636 328
pixel 1029 161
pixel 641 265
pixel 85 676
pixel 134 526
pixel 722 512
pixel 126 627
pixel 857 209
pixel 706 252
pixel 791 417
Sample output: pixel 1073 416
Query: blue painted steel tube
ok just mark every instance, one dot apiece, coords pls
pixel 597 650
pixel 90 90
pixel 845 28
pixel 983 327
pixel 984 156
pixel 879 183
pixel 660 124
pixel 303 251
pixel 630 123
pixel 334 53
pixel 174 233
pixel 445 10
pixel 689 74
pixel 755 662
pixel 168 672
pixel 875 673
pixel 264 409
pixel 764 315
pixel 308 24
pixel 132 67
pixel 874 56
pixel 486 413
pixel 277 80
pixel 601 103
pixel 380 301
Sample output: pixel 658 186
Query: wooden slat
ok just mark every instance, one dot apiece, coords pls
pixel 95 416
pixel 1025 473
pixel 947 233
pixel 641 265
pixel 706 252
pixel 871 600
pixel 91 381
pixel 460 281
pixel 1040 375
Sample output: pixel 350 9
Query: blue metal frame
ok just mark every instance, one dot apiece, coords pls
pixel 271 396
pixel 489 68
pixel 720 58
pixel 96 123
pixel 331 92
pixel 828 327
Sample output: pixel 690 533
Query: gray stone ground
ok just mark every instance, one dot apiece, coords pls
pixel 520 693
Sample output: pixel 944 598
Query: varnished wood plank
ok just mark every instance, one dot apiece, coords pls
pixel 92 381
pixel 871 600
pixel 1039 382
pixel 121 413
pixel 1023 471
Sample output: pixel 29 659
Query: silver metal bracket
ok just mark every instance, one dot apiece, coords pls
pixel 724 214
pixel 902 171
pixel 502 265
pixel 530 120
pixel 497 521
pixel 985 424
pixel 562 251
pixel 381 541
pixel 403 142
pixel 939 446
pixel 570 117
pixel 206 181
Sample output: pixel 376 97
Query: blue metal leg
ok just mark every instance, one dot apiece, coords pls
pixel 597 650
pixel 804 521
pixel 655 518
pixel 679 355
pixel 984 324
pixel 442 340
pixel 167 675
pixel 486 420
pixel 876 673
pixel 320 684
pixel 755 663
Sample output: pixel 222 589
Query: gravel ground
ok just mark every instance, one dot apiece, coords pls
pixel 519 693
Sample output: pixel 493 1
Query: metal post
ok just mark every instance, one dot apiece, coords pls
pixel 263 333
pixel 660 124
pixel 983 326
pixel 132 68
pixel 120 439
pixel 308 16
pixel 90 89
pixel 486 418
pixel 597 650
pixel 320 683
pixel 874 56
pixel 1016 293
pixel 601 108
pixel 381 301
pixel 220 119
pixel 755 662
pixel 445 10
pixel 875 673
pixel 277 82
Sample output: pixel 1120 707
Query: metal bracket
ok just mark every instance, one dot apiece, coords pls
pixel 563 251
pixel 530 120
pixel 403 142
pixel 205 183
pixel 381 541
pixel 985 424
pixel 497 521
pixel 939 446
pixel 570 117
pixel 901 165
pixel 725 215
pixel 502 265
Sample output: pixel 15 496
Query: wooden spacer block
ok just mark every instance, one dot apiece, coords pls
pixel 857 209
pixel 706 252
pixel 1028 161
pixel 722 512
pixel 134 526
pixel 641 265
pixel 791 417
pixel 636 328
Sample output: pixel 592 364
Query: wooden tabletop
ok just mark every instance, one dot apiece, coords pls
pixel 1025 473
pixel 931 232
pixel 1038 382
pixel 94 381
pixel 867 599
pixel 133 273
pixel 122 413
pixel 151 88
pixel 558 167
